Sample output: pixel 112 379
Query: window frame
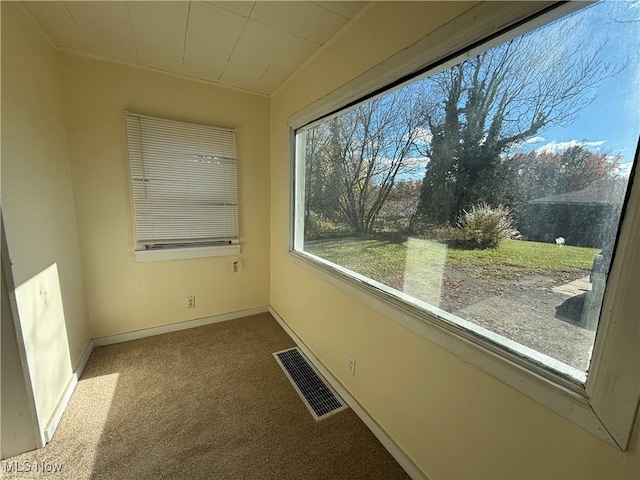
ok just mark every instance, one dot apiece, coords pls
pixel 605 403
pixel 176 249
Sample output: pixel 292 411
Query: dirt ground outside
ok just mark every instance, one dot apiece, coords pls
pixel 531 310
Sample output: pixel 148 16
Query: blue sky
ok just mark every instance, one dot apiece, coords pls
pixel 612 122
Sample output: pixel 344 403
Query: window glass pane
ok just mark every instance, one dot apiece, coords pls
pixel 491 190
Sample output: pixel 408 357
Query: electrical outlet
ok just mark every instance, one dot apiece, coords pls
pixel 351 365
pixel 191 301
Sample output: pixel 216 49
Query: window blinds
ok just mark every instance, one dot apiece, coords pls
pixel 183 183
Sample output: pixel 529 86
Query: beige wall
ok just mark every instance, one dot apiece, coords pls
pixel 38 210
pixel 17 425
pixel 453 420
pixel 122 295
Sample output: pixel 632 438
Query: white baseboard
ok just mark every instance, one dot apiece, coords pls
pixel 396 452
pixel 174 327
pixel 66 396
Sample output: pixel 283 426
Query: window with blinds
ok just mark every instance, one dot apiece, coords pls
pixel 183 183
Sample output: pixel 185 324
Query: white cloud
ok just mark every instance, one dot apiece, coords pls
pixel 422 136
pixel 555 147
pixel 384 163
pixel 417 162
pixel 625 169
pixel 515 147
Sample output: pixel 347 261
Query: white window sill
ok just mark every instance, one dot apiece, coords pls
pixel 184 253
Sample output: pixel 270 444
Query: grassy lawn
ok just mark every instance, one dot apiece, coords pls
pixel 384 260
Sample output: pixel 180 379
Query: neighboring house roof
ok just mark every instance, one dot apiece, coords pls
pixel 598 193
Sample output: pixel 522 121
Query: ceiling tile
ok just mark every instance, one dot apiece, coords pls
pixel 322 25
pixel 300 49
pixel 109 15
pixel 248 44
pixel 160 54
pixel 346 9
pixel 250 56
pixel 206 63
pixel 239 7
pixel 42 9
pixel 205 71
pixel 265 38
pixel 159 30
pixel 286 16
pixel 159 15
pixel 211 35
pixel 210 22
pixel 240 75
pixel 283 66
pixel 268 83
pixel 109 43
pixel 63 32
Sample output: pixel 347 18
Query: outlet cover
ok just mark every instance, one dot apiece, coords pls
pixel 351 365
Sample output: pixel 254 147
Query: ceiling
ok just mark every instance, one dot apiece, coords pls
pixel 254 46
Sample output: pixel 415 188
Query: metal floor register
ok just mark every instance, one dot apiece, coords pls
pixel 319 397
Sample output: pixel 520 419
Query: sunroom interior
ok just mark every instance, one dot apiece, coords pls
pixel 448 406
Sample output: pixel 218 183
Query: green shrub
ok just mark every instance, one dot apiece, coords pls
pixel 449 235
pixel 484 226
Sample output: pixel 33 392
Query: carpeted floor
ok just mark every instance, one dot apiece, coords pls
pixel 205 403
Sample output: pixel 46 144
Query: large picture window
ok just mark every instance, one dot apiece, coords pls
pixel 487 192
pixel 183 187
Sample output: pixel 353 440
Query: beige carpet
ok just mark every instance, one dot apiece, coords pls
pixel 205 403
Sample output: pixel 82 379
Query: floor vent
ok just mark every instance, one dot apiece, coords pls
pixel 319 397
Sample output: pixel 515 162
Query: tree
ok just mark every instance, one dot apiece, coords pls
pixel 532 175
pixel 401 206
pixel 581 167
pixel 322 185
pixel 362 153
pixel 482 107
